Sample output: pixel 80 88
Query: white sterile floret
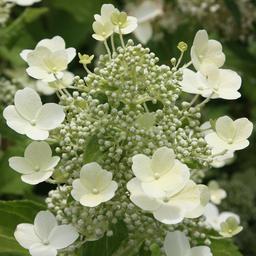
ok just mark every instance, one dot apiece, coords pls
pixel 37 165
pixel 23 2
pixel 30 117
pixel 217 194
pixel 94 186
pixel 102 30
pixel 49 59
pixel 145 13
pixel 217 83
pixel 160 174
pixel 220 221
pixel 205 52
pixel 177 244
pixel 51 87
pixel 162 186
pixel 229 134
pixel 45 237
pixel 123 24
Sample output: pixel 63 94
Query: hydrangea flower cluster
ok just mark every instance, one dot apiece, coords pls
pixel 123 146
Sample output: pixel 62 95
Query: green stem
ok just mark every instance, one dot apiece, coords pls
pixel 107 48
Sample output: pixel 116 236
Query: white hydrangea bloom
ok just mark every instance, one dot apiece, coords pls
pixel 45 237
pixel 51 87
pixel 49 59
pixel 30 117
pixel 229 134
pixel 177 244
pixel 94 186
pixel 128 26
pixel 217 194
pixel 37 165
pixel 145 13
pixel 162 186
pixel 215 220
pixel 205 52
pixel 219 83
pixel 23 2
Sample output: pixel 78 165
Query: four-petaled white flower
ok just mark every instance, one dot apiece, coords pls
pixel 112 20
pixel 51 87
pixel 37 165
pixel 205 52
pixel 49 59
pixel 30 117
pixel 177 244
pixel 102 30
pixel 94 186
pixel 23 2
pixel 145 13
pixel 229 134
pixel 217 83
pixel 217 194
pixel 45 237
pixel 162 186
pixel 219 221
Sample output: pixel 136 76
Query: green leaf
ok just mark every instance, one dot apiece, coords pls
pixel 224 248
pixel 13 213
pixel 92 151
pixel 155 250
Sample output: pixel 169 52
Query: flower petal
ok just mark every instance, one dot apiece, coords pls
pixel 169 214
pixel 50 116
pixel 15 121
pixel 176 243
pixel 28 103
pixel 243 129
pixel 109 192
pixel 44 223
pixel 19 164
pixel 200 251
pixel 36 177
pixel 225 128
pixel 56 43
pixel 144 32
pixel 42 250
pixel 26 236
pixel 71 52
pixel 78 190
pixel 36 133
pixel 38 73
pixel 62 236
pixel 141 167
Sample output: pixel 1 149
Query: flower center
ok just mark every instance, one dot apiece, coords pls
pixel 156 175
pixel 33 122
pixel 37 168
pixel 95 191
pixel 230 141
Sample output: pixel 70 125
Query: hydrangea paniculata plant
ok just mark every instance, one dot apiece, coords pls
pixel 127 149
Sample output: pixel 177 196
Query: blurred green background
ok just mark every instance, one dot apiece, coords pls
pixel 233 22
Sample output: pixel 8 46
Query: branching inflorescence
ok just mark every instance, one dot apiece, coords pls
pixel 127 149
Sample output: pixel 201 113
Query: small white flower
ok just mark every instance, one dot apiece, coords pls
pixel 177 244
pixel 229 134
pixel 219 83
pixel 205 52
pixel 45 237
pixel 217 194
pixel 102 30
pixel 189 202
pixel 94 186
pixel 30 117
pixel 23 2
pixel 145 13
pixel 162 186
pixel 162 174
pixel 51 87
pixel 215 220
pixel 37 165
pixel 123 24
pixel 49 59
